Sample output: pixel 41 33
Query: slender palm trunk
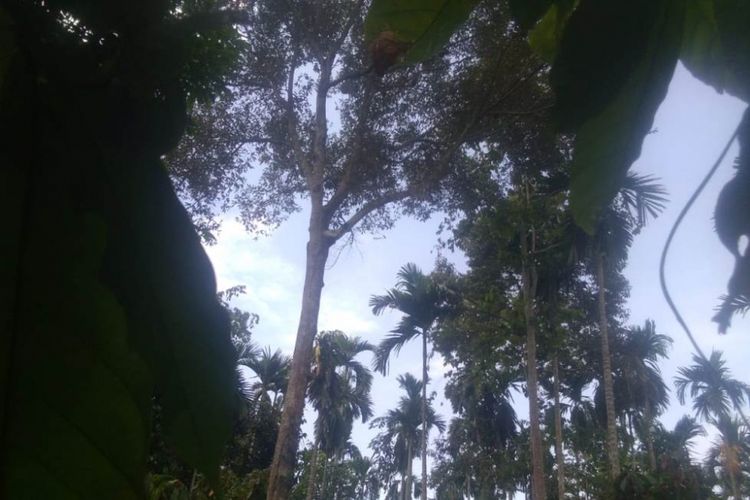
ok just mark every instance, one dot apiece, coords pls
pixel 409 459
pixel 734 486
pixel 559 458
pixel 529 291
pixel 650 441
pixel 313 472
pixel 323 485
pixel 282 467
pixel 335 482
pixel 424 415
pixel 609 393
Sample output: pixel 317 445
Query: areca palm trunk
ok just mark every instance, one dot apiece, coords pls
pixel 313 472
pixel 423 493
pixel 558 430
pixel 529 279
pixel 607 382
pixel 409 459
pixel 650 437
pixel 325 477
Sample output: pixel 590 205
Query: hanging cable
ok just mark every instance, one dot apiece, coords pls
pixel 672 232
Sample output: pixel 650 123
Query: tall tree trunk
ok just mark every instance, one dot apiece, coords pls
pixel 324 479
pixel 558 430
pixel 335 482
pixel 649 434
pixel 733 484
pixel 313 472
pixel 529 291
pixel 282 467
pixel 609 393
pixel 423 493
pixel 409 458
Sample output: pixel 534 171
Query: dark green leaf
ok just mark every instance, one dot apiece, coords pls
pixel 424 26
pixel 610 117
pixel 732 20
pixel 74 393
pixel 166 283
pixel 107 294
pixel 715 44
pixel 603 45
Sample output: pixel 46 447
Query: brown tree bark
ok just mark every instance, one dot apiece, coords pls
pixel 423 493
pixel 282 467
pixel 559 458
pixel 607 382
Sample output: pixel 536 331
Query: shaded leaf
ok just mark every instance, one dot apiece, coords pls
pixel 528 12
pixel 74 393
pixel 603 46
pixel 610 128
pixel 166 283
pixel 110 294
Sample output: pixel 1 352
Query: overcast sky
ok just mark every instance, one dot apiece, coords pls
pixel 691 128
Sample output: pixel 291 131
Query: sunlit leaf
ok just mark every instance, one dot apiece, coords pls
pixel 545 37
pixel 421 26
pixel 528 12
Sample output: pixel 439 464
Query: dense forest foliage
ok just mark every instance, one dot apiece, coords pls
pixel 129 129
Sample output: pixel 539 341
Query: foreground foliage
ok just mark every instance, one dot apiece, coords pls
pixel 108 298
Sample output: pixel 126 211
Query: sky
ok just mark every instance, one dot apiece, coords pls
pixel 690 130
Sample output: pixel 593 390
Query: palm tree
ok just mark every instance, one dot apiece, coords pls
pixel 729 456
pixel 422 301
pixel 271 374
pixel 263 392
pixel 486 425
pixel 403 428
pixel 639 363
pixel 711 387
pixel 678 442
pixel 339 391
pixel 639 198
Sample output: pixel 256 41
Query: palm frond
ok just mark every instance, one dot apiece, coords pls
pixel 392 343
pixel 643 196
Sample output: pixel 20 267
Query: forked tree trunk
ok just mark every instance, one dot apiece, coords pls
pixel 558 430
pixel 529 291
pixel 609 393
pixel 423 493
pixel 282 468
